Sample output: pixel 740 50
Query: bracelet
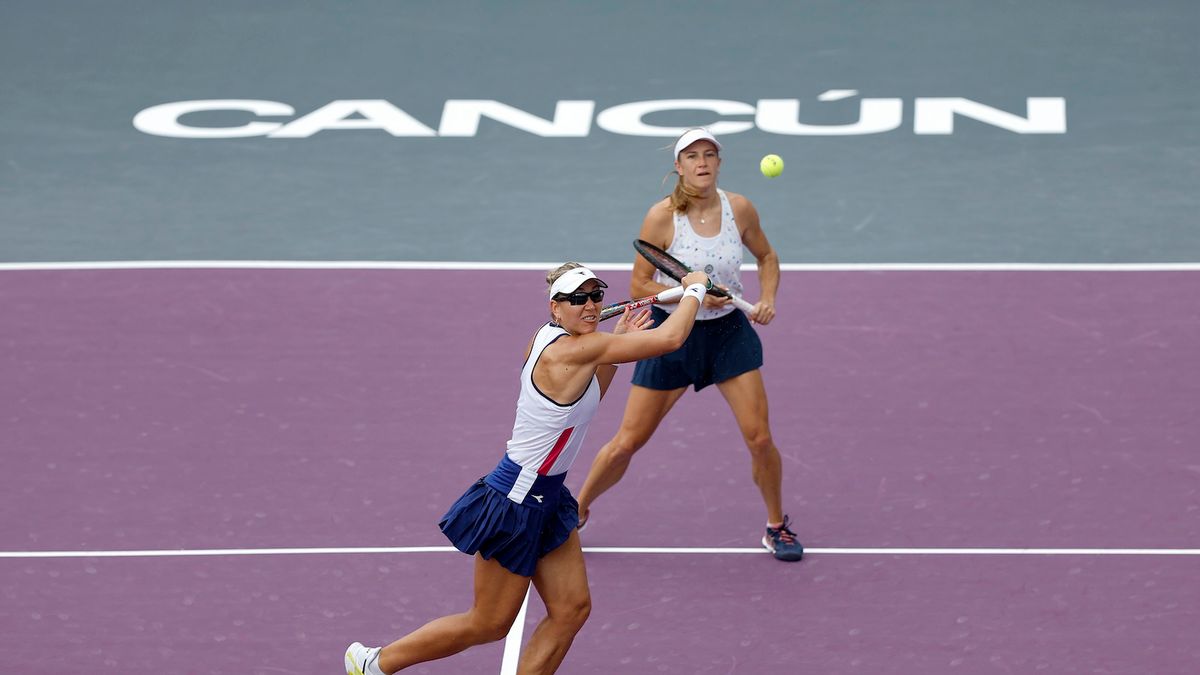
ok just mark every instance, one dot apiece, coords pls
pixel 696 291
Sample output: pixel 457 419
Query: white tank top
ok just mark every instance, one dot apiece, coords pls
pixel 719 257
pixel 546 435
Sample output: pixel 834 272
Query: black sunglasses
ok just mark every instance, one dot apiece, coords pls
pixel 581 297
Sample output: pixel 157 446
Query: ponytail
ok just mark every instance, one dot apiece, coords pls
pixel 681 197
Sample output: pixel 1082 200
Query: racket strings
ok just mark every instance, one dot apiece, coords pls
pixel 662 260
pixel 675 271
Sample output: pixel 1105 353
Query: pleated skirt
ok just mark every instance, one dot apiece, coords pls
pixel 516 535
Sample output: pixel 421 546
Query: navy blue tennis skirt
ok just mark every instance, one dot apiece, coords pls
pixel 716 350
pixel 485 521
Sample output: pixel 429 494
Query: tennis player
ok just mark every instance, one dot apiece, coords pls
pixel 705 228
pixel 519 521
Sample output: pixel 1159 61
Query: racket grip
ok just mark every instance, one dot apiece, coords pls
pixel 742 304
pixel 673 293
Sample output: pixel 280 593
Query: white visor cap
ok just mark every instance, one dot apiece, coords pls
pixel 691 136
pixel 572 279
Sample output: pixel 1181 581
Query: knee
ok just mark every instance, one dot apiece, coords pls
pixel 760 443
pixel 486 629
pixel 624 445
pixel 572 614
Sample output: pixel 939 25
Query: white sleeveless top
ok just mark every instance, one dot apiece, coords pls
pixel 546 435
pixel 719 257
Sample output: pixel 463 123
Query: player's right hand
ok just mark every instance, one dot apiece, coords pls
pixel 695 278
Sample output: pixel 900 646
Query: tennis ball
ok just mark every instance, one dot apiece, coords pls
pixel 771 166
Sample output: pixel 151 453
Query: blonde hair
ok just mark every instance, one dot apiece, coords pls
pixel 553 275
pixel 681 197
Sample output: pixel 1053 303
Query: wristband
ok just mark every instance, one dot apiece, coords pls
pixel 696 291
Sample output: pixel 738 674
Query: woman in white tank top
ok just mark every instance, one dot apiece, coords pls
pixel 705 228
pixel 520 521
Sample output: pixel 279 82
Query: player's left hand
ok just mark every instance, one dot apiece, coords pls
pixel 715 301
pixel 763 312
pixel 632 321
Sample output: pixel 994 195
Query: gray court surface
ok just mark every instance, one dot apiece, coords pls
pixel 1113 180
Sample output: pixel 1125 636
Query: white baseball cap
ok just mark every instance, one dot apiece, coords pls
pixel 572 279
pixel 691 136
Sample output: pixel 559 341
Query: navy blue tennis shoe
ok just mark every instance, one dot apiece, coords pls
pixel 782 542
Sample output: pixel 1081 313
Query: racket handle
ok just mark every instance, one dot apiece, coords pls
pixel 742 304
pixel 673 293
pixel 737 300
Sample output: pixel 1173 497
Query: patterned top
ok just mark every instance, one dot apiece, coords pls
pixel 719 257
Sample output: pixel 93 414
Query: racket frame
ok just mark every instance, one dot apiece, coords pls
pixel 670 266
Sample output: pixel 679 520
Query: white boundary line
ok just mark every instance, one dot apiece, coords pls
pixel 543 266
pixel 183 553
pixel 512 641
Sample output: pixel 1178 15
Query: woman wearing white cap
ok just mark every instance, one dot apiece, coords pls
pixel 705 228
pixel 519 521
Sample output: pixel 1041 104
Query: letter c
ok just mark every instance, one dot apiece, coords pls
pixel 163 120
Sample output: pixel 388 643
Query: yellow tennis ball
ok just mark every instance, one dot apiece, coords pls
pixel 771 166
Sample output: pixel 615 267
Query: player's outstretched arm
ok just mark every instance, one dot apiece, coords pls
pixel 604 348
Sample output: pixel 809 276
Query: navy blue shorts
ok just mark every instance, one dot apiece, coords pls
pixel 485 521
pixel 715 351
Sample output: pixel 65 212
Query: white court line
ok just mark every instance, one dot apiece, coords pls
pixel 512 641
pixel 178 553
pixel 543 266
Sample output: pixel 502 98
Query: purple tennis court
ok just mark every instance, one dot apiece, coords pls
pixel 224 423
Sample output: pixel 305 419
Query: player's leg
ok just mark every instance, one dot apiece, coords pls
pixel 499 595
pixel 644 410
pixel 747 398
pixel 561 581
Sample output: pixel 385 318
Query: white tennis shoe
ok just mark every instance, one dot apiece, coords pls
pixel 359 658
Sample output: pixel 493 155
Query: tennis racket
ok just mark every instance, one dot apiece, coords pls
pixel 617 308
pixel 670 266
